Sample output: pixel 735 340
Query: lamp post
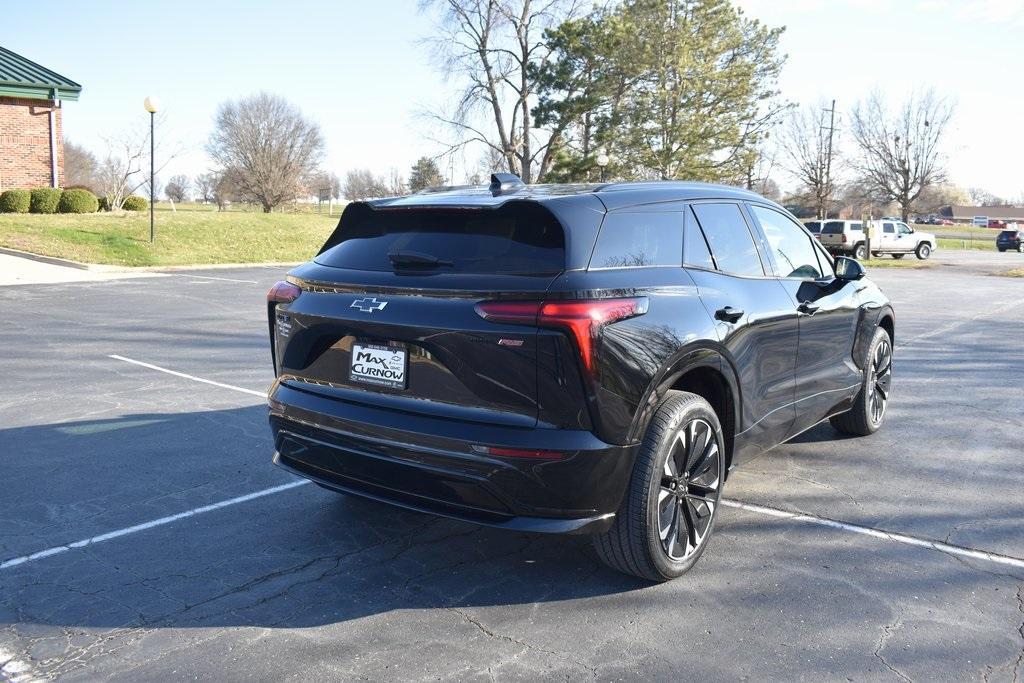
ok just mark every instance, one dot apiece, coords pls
pixel 602 161
pixel 152 104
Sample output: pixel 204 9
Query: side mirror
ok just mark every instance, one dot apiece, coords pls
pixel 849 269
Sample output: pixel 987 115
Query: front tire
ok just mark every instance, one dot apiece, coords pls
pixel 873 398
pixel 860 252
pixel 923 251
pixel 669 510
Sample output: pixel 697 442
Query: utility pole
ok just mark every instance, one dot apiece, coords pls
pixel 828 159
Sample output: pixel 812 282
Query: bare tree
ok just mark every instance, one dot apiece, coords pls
pixel 491 47
pixel 900 153
pixel 807 146
pixel 361 183
pixel 224 188
pixel 177 188
pixel 121 174
pixel 269 146
pixel 205 184
pixel 80 167
pixel 979 196
pixel 326 180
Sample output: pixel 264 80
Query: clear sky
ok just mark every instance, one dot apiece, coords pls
pixel 360 70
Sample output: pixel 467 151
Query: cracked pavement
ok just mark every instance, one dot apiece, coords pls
pixel 308 584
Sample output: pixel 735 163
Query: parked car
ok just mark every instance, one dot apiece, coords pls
pixel 944 221
pixel 1010 239
pixel 888 237
pixel 814 227
pixel 996 224
pixel 570 360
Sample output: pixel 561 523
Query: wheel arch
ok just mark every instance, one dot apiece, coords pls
pixel 701 369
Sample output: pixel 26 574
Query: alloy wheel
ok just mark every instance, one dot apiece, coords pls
pixel 689 491
pixel 880 380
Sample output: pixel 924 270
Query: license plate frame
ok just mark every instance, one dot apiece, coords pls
pixel 379 365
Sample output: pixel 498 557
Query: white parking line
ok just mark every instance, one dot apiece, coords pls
pixel 261 394
pixel 958 550
pixel 57 550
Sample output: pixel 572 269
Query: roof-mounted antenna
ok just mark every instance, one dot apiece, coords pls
pixel 505 182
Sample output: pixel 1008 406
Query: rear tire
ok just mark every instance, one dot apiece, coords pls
pixel 669 509
pixel 1001 250
pixel 1020 248
pixel 923 251
pixel 860 252
pixel 869 406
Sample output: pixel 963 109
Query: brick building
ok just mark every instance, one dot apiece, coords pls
pixel 31 139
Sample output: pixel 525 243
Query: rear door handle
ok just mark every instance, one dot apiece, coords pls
pixel 729 314
pixel 808 308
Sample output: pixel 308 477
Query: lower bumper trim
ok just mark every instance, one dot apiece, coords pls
pixel 548 525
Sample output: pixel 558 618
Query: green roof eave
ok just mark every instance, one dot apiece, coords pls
pixel 34 92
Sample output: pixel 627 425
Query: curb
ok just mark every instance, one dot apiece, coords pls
pixel 105 268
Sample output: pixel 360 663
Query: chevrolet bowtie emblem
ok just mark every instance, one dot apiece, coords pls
pixel 369 305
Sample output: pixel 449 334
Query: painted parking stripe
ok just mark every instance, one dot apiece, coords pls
pixel 959 550
pixel 57 550
pixel 261 394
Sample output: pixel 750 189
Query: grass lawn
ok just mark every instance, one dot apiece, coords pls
pixel 908 261
pixel 967 243
pixel 191 235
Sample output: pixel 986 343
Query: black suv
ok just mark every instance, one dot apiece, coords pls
pixel 570 359
pixel 1010 239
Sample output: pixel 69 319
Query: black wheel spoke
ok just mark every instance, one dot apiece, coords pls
pixel 686 533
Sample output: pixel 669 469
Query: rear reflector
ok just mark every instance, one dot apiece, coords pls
pixel 283 293
pixel 519 452
pixel 583 319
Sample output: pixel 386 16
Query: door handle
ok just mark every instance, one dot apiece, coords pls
pixel 729 314
pixel 808 308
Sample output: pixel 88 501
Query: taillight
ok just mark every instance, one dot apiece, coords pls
pixel 844 238
pixel 283 293
pixel 583 319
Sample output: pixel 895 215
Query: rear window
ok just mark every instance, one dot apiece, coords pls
pixel 836 227
pixel 1008 233
pixel 514 239
pixel 637 239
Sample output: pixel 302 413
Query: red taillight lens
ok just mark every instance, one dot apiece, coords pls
pixel 283 293
pixel 533 453
pixel 844 238
pixel 583 319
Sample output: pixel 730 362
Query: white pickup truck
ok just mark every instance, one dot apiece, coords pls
pixel 887 237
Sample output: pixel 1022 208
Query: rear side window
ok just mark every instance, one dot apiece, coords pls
pixel 514 239
pixel 695 247
pixel 639 239
pixel 729 238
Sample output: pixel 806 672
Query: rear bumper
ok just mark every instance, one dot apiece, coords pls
pixel 429 464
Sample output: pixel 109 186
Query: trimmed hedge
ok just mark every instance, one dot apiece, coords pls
pixel 45 200
pixel 135 203
pixel 15 201
pixel 78 201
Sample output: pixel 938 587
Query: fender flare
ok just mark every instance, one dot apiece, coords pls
pixel 696 355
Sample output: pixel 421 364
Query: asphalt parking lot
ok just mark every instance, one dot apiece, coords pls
pixel 144 533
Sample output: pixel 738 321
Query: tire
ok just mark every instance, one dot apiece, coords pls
pixel 860 252
pixel 869 406
pixel 1001 250
pixel 898 256
pixel 1020 248
pixel 674 489
pixel 923 251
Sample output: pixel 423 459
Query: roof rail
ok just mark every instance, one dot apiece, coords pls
pixel 505 182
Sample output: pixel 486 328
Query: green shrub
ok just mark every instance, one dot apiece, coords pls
pixel 45 200
pixel 78 201
pixel 15 201
pixel 135 203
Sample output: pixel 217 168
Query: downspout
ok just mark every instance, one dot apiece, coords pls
pixel 55 179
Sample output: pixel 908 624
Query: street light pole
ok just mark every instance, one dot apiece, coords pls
pixel 152 104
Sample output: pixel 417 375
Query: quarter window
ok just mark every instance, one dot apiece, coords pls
pixel 794 254
pixel 639 239
pixel 888 228
pixel 729 238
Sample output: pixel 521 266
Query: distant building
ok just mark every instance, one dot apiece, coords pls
pixel 31 138
pixel 965 214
